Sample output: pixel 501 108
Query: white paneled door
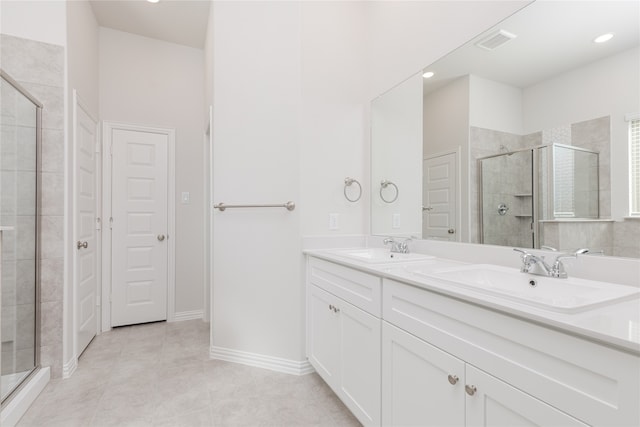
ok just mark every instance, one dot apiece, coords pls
pixel 86 225
pixel 139 273
pixel 439 198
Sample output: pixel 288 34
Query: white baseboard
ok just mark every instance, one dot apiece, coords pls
pixel 19 404
pixel 69 368
pixel 188 315
pixel 277 364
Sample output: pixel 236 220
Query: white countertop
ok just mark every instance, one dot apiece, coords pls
pixel 616 324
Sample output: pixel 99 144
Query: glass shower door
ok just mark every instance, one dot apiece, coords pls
pixel 506 199
pixel 19 128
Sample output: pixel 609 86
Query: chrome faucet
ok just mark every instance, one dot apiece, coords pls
pixel 398 247
pixel 533 264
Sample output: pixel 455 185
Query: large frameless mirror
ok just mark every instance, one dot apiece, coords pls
pixel 533 103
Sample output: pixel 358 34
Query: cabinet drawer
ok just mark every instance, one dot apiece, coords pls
pixel 355 287
pixel 595 383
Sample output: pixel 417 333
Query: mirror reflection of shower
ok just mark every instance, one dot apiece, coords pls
pixel 518 189
pixel 19 141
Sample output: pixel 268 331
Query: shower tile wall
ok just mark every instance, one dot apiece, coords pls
pixel 39 68
pixel 483 143
pixel 572 235
pixel 626 238
pixel 590 134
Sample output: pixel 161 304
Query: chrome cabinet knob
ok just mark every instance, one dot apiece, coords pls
pixel 161 237
pixel 333 308
pixel 81 245
pixel 453 379
pixel 451 231
pixel 470 389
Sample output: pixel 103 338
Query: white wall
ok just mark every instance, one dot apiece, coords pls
pixel 396 145
pixel 333 134
pixel 446 130
pixel 494 105
pixel 43 21
pixel 606 87
pixel 150 82
pixel 292 82
pixel 257 289
pixel 82 75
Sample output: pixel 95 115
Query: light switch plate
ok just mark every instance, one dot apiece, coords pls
pixel 396 221
pixel 333 221
pixel 186 197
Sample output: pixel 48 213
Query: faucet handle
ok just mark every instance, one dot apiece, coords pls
pixel 526 260
pixel 388 240
pixel 549 248
pixel 558 270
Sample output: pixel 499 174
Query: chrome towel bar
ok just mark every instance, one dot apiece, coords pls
pixel 289 206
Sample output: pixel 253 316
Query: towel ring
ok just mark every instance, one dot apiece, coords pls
pixel 384 184
pixel 347 183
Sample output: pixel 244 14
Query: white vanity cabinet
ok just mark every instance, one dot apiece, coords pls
pixel 523 373
pixel 421 384
pixel 404 355
pixel 425 386
pixel 343 334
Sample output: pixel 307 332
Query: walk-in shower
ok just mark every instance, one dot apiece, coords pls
pixel 519 189
pixel 20 135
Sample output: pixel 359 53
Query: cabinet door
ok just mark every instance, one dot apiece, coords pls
pixel 323 323
pixel 360 363
pixel 422 385
pixel 496 403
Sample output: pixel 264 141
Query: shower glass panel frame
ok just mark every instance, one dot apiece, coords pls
pixel 560 190
pixel 27 158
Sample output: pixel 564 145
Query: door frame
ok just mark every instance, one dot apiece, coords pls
pixel 78 103
pixel 458 216
pixel 107 131
pixel 208 219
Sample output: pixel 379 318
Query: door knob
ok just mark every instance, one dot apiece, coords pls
pixel 161 237
pixel 451 231
pixel 81 245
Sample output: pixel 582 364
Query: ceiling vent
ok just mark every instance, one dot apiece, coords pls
pixel 495 40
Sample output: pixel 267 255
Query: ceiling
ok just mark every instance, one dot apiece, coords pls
pixel 552 37
pixel 176 21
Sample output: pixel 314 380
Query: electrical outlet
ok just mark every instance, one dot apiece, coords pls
pixel 395 221
pixel 333 221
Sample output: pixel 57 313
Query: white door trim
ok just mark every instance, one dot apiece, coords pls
pixel 78 103
pixel 107 131
pixel 208 219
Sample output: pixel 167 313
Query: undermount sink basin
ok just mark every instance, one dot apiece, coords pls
pixel 379 255
pixel 424 267
pixel 564 295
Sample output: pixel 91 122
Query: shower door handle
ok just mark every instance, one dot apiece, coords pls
pixel 81 245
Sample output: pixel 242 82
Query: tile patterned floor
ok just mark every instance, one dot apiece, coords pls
pixel 159 374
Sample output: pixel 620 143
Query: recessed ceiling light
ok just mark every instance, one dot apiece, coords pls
pixel 603 38
pixel 428 74
pixel 153 1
